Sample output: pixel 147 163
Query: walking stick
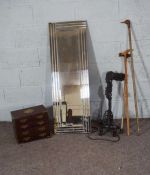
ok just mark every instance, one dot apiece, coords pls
pixel 127 22
pixel 126 55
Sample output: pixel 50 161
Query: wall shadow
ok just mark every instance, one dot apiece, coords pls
pixel 97 96
pixel 143 100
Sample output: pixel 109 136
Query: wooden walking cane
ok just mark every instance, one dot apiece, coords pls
pixel 128 23
pixel 126 55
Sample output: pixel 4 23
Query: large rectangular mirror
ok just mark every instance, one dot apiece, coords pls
pixel 70 80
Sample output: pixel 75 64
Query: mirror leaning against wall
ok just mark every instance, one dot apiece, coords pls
pixel 70 77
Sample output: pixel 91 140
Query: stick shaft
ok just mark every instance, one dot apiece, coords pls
pixel 133 80
pixel 126 96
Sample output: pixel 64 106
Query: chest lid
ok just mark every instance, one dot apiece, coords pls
pixel 35 110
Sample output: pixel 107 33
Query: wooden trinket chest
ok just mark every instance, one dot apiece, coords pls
pixel 31 123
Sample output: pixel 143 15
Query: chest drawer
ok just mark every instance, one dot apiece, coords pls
pixel 33 121
pixel 33 134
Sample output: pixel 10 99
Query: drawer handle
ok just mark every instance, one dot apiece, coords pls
pixel 26 138
pixel 28 111
pixel 43 134
pixel 24 126
pixel 42 128
pixel 23 120
pixel 40 123
pixel 39 116
pixel 25 133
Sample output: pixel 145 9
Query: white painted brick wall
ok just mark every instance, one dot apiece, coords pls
pixel 24 96
pixel 9 78
pixel 19 58
pixel 33 37
pixel 25 76
pixel 25 15
pixel 97 10
pixel 32 76
pixel 2 101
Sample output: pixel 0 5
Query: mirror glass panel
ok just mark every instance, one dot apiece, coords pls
pixel 70 80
